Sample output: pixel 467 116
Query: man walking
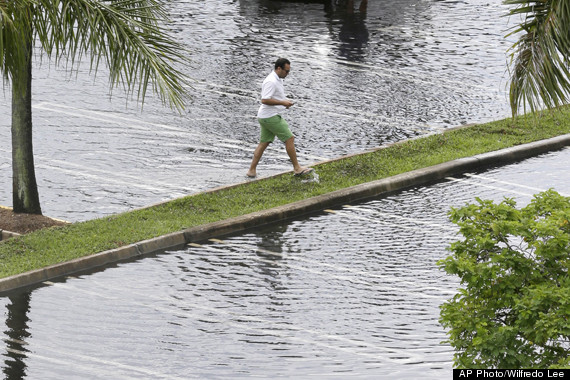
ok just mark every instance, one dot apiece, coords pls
pixel 273 101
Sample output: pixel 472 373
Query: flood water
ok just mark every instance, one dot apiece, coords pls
pixel 353 292
pixel 359 80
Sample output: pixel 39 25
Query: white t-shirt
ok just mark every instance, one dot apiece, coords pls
pixel 272 88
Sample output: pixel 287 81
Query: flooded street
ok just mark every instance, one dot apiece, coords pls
pixel 350 293
pixel 359 80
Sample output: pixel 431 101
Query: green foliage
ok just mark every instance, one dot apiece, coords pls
pixel 513 309
pixel 129 36
pixel 13 20
pixel 539 59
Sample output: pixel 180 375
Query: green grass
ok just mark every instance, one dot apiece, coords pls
pixel 54 245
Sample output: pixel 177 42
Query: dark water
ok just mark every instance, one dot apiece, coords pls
pixel 352 293
pixel 360 80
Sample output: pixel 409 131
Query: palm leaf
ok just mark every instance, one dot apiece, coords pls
pixel 14 21
pixel 127 36
pixel 539 65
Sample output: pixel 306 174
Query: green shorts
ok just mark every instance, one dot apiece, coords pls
pixel 274 126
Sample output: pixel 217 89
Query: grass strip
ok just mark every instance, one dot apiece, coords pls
pixel 54 245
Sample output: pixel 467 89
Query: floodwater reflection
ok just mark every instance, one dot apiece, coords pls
pixel 15 336
pixel 353 33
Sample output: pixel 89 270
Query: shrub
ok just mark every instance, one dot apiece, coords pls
pixel 514 305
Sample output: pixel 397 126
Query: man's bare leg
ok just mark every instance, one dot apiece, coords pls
pixel 290 148
pixel 256 157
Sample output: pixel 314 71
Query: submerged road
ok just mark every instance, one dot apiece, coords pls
pixel 350 292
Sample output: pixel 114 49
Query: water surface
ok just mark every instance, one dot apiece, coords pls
pixel 360 80
pixel 352 293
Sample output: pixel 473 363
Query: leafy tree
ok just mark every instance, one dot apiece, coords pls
pixel 513 310
pixel 540 70
pixel 127 35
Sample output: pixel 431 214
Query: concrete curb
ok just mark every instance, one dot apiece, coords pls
pixel 7 234
pixel 276 214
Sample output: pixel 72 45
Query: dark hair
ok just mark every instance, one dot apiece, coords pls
pixel 281 62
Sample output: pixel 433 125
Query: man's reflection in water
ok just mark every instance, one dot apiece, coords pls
pixel 16 335
pixel 353 34
pixel 270 249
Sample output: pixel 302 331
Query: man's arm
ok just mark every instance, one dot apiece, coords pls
pixel 275 102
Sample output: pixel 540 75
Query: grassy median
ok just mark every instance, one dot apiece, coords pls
pixel 58 244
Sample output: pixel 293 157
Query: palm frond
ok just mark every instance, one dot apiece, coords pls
pixel 539 65
pixel 15 21
pixel 128 36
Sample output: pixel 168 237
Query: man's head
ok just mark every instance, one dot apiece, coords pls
pixel 282 67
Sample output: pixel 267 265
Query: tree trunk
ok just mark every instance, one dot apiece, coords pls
pixel 24 187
